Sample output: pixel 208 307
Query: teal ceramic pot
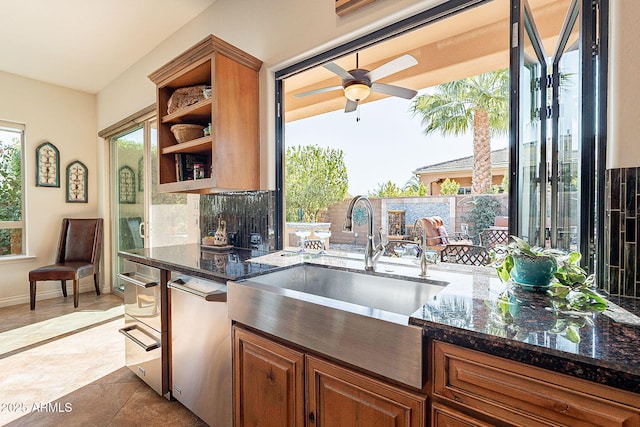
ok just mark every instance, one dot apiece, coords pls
pixel 533 273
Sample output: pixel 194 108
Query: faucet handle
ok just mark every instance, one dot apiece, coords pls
pixel 383 239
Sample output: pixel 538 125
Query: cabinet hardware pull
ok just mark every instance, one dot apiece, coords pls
pixel 131 278
pixel 145 347
pixel 216 296
pixel 312 417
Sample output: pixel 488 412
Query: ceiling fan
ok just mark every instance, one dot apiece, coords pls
pixel 359 83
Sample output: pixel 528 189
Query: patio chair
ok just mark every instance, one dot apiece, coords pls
pixel 465 254
pixel 492 237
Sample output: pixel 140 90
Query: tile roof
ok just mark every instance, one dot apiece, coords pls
pixel 498 158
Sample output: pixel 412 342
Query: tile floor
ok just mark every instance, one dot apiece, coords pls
pixel 71 372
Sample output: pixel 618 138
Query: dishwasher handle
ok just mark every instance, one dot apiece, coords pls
pixel 215 296
pixel 146 347
pixel 133 278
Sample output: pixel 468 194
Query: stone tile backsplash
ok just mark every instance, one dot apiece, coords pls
pixel 622 235
pixel 249 216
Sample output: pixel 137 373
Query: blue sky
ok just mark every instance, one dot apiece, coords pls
pixel 387 144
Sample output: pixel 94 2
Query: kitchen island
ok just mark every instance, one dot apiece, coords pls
pixel 475 317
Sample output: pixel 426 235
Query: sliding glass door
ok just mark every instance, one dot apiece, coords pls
pixel 142 217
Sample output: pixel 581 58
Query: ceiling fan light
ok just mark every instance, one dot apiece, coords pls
pixel 357 91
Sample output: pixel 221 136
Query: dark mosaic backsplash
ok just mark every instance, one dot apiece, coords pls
pixel 249 216
pixel 622 232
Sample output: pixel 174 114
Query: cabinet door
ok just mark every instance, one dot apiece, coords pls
pixel 442 416
pixel 268 380
pixel 338 397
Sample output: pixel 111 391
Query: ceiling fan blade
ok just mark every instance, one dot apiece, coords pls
pixel 401 92
pixel 350 106
pixel 394 66
pixel 336 69
pixel 315 91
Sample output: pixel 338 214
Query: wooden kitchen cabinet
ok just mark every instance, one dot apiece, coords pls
pixel 482 389
pixel 273 382
pixel 231 154
pixel 340 397
pixel 268 382
pixel 443 416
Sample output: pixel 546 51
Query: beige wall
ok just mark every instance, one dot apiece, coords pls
pixel 623 149
pixel 67 119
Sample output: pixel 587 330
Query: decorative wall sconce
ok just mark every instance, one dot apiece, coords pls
pixel 77 182
pixel 47 165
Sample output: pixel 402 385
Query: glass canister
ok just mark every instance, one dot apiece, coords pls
pixel 198 171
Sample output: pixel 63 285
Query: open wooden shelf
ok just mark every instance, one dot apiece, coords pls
pixel 232 110
pixel 200 145
pixel 198 112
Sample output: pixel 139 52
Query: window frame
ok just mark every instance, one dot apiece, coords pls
pixel 431 15
pixel 596 27
pixel 20 129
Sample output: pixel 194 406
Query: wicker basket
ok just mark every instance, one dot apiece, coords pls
pixel 187 132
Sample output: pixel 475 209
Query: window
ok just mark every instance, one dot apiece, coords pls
pixel 12 228
pixel 452 42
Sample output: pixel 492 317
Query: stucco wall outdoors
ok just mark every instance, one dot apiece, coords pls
pixel 67 119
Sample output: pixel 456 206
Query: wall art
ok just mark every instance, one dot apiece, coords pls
pixel 126 185
pixel 47 165
pixel 77 182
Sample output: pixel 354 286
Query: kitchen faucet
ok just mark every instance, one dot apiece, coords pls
pixel 371 255
pixel 419 224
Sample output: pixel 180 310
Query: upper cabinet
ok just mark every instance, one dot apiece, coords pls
pixel 218 92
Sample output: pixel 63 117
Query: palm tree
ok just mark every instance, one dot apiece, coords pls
pixel 481 102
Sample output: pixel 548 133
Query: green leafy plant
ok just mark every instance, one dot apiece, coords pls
pixel 503 255
pixel 316 178
pixel 449 187
pixel 482 213
pixel 572 288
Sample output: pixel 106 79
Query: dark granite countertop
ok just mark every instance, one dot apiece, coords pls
pixel 201 261
pixel 484 314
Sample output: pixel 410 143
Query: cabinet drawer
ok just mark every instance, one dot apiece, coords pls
pixel 142 293
pixel 441 416
pixel 524 395
pixel 143 352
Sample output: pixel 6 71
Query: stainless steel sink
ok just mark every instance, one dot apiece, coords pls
pixel 359 318
pixel 374 293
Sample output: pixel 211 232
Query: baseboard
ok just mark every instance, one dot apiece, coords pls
pixel 47 294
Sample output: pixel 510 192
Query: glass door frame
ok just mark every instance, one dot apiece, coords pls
pixel 593 34
pixel 143 122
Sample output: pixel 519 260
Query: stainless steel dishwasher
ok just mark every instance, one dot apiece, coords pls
pixel 201 377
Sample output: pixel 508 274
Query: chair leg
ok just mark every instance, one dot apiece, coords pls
pixel 95 282
pixel 64 287
pixel 32 292
pixel 75 293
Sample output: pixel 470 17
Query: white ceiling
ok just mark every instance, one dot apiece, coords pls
pixel 85 44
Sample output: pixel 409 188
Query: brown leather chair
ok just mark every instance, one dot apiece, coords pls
pixel 78 256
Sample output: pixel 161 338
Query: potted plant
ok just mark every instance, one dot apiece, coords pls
pixel 557 272
pixel 531 268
